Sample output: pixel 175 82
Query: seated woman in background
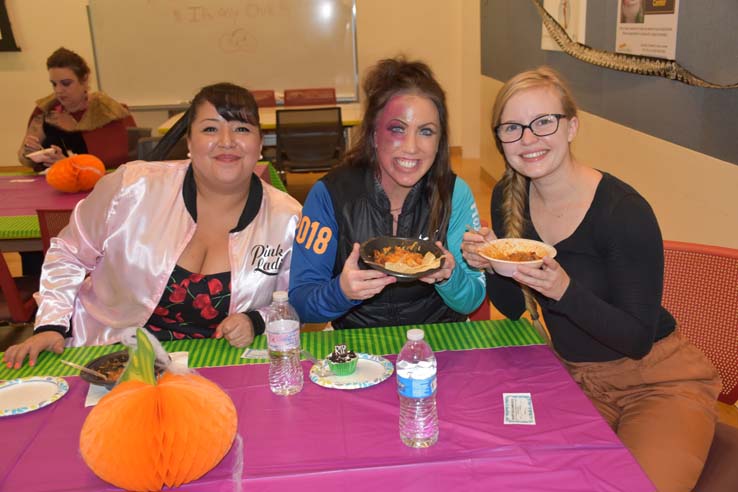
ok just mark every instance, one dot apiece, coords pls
pixel 601 295
pixel 186 249
pixel 72 120
pixel 396 181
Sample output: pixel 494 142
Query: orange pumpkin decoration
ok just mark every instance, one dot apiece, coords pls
pixel 146 434
pixel 76 173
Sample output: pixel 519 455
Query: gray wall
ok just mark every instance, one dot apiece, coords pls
pixel 705 120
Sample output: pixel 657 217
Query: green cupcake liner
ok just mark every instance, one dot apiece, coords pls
pixel 343 368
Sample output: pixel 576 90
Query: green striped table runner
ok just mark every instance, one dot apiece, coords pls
pixel 380 341
pixel 19 227
pixel 26 226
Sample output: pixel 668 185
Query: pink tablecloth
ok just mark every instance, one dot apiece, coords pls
pixel 23 195
pixel 326 439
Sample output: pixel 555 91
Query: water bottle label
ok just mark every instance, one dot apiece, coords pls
pixel 416 388
pixel 281 342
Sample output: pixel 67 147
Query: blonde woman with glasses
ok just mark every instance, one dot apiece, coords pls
pixel 601 296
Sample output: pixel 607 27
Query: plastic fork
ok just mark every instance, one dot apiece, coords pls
pixel 323 369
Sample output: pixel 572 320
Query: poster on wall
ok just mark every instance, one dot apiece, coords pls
pixel 7 41
pixel 647 27
pixel 571 15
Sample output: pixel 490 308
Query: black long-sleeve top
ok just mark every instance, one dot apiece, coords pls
pixel 615 260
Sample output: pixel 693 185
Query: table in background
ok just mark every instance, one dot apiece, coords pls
pixel 350 117
pixel 327 439
pixel 24 192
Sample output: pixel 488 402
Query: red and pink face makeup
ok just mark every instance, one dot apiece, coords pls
pixel 406 137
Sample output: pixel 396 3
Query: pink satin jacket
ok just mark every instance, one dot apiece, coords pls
pixel 109 267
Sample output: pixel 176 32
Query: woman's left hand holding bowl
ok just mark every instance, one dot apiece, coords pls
pixel 446 270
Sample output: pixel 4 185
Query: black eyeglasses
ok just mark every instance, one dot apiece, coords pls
pixel 548 124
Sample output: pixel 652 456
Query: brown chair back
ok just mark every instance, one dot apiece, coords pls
pixel 310 97
pixel 264 98
pixel 51 222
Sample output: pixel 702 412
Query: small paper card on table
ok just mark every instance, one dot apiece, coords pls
pixel 251 353
pixel 518 408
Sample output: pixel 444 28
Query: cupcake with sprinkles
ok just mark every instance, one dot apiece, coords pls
pixel 342 361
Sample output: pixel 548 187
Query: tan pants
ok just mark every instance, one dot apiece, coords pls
pixel 662 408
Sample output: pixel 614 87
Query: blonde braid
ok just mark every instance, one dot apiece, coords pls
pixel 515 185
pixel 515 195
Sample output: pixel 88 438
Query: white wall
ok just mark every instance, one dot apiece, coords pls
pixel 692 194
pixel 430 30
pixel 443 33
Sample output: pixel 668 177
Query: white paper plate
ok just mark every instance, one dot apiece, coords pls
pixel 370 370
pixel 25 395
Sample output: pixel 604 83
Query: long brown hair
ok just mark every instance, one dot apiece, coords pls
pixel 514 185
pixel 386 79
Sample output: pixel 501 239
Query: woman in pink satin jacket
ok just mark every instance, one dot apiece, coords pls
pixel 188 249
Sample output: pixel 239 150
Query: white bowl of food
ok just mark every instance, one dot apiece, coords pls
pixel 507 254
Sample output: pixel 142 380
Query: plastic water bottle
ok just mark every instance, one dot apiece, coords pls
pixel 283 339
pixel 416 385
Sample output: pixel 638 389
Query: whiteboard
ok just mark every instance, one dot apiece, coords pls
pixel 159 53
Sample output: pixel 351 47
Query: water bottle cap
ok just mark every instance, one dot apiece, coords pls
pixel 279 296
pixel 415 334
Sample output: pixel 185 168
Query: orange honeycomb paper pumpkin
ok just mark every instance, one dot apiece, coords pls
pixel 76 173
pixel 144 436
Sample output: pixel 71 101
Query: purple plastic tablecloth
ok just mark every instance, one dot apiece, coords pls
pixel 327 439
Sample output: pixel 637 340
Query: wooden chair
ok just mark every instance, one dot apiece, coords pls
pixel 16 303
pixel 483 312
pixel 310 97
pixel 51 222
pixel 264 98
pixel 701 292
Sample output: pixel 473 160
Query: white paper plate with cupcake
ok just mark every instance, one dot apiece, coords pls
pixel 369 370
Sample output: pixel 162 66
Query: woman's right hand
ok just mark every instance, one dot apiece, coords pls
pixel 471 243
pixel 358 284
pixel 31 144
pixel 49 340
